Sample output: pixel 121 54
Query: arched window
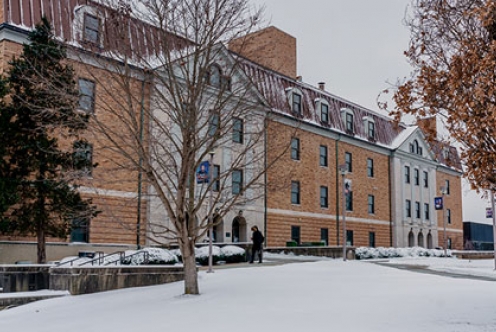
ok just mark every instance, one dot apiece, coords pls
pixel 420 239
pixel 411 239
pixel 295 99
pixel 429 241
pixel 214 76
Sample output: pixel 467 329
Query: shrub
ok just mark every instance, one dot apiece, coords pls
pixel 233 254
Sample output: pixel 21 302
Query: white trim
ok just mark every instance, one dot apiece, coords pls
pixel 326 216
pixel 109 193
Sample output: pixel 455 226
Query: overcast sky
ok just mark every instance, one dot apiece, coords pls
pixel 356 47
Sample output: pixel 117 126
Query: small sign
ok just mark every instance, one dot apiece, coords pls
pixel 438 203
pixel 489 212
pixel 202 172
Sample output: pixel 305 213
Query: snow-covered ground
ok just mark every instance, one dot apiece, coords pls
pixel 329 295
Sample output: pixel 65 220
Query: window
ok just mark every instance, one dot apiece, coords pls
pixel 214 76
pixel 83 157
pixel 324 113
pixel 214 125
pixel 295 234
pixel 371 204
pixel 323 156
pixel 372 239
pixel 448 216
pixel 237 182
pixel 238 130
pixel 216 178
pixel 426 211
pixel 349 201
pixel 416 176
pixel 296 103
pixel 348 162
pixel 349 122
pixel 426 179
pixel 370 168
pixel 91 29
pixel 295 192
pixel 370 130
pixel 324 198
pixel 447 187
pixel 416 148
pixel 324 236
pixel 86 95
pixel 407 174
pixel 408 208
pixel 417 210
pixel 449 243
pixel 295 148
pixel 80 230
pixel 349 237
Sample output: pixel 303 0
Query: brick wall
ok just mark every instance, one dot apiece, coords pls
pixel 269 47
pixel 309 215
pixel 453 202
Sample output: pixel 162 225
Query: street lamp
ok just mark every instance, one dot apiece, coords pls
pixel 343 170
pixel 210 219
pixel 445 245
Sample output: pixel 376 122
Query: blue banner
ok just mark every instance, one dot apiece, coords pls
pixel 438 203
pixel 202 172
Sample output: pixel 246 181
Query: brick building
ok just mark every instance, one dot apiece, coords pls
pixel 303 201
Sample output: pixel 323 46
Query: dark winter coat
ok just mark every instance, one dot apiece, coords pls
pixel 257 239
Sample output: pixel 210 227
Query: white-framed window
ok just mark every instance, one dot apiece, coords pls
pixel 415 148
pixel 324 197
pixel 323 107
pixel 238 130
pixel 295 192
pixel 370 167
pixel 295 98
pixel 408 208
pixel 369 127
pixel 83 157
pixel 323 156
pixel 91 29
pixel 237 182
pixel 295 148
pixel 371 204
pixel 87 26
pixel 348 120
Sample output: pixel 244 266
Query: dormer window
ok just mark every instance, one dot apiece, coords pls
pixel 91 29
pixel 296 103
pixel 349 120
pixel 369 126
pixel 323 107
pixel 446 153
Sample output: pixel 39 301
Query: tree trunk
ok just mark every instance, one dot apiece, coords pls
pixel 40 233
pixel 190 271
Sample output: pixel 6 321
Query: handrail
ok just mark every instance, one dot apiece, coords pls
pixel 101 258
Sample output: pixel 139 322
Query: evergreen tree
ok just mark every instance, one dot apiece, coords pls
pixel 43 107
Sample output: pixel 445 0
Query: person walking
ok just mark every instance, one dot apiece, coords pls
pixel 257 239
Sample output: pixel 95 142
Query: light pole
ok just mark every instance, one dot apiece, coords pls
pixel 445 244
pixel 210 205
pixel 344 170
pixel 492 192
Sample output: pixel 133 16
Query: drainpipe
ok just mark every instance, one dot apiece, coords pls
pixel 140 171
pixel 390 202
pixel 265 180
pixel 337 190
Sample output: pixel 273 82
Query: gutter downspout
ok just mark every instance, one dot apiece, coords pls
pixel 265 180
pixel 140 168
pixel 337 190
pixel 390 202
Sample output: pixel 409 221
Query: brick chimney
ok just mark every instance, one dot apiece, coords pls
pixel 270 47
pixel 428 126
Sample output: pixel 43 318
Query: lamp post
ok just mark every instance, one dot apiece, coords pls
pixel 492 192
pixel 344 170
pixel 445 244
pixel 210 220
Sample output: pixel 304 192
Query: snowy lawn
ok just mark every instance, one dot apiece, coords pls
pixel 330 295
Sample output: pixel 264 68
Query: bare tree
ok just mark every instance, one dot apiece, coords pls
pixel 176 99
pixel 452 50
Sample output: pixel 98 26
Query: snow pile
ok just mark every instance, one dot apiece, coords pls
pixel 381 252
pixel 232 251
pixel 227 254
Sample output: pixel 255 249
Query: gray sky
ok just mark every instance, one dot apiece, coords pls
pixel 356 47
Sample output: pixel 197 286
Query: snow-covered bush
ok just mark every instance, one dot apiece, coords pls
pixel 156 256
pixel 381 252
pixel 202 255
pixel 233 254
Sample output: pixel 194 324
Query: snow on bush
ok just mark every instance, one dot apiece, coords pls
pixel 154 255
pixel 381 252
pixel 233 254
